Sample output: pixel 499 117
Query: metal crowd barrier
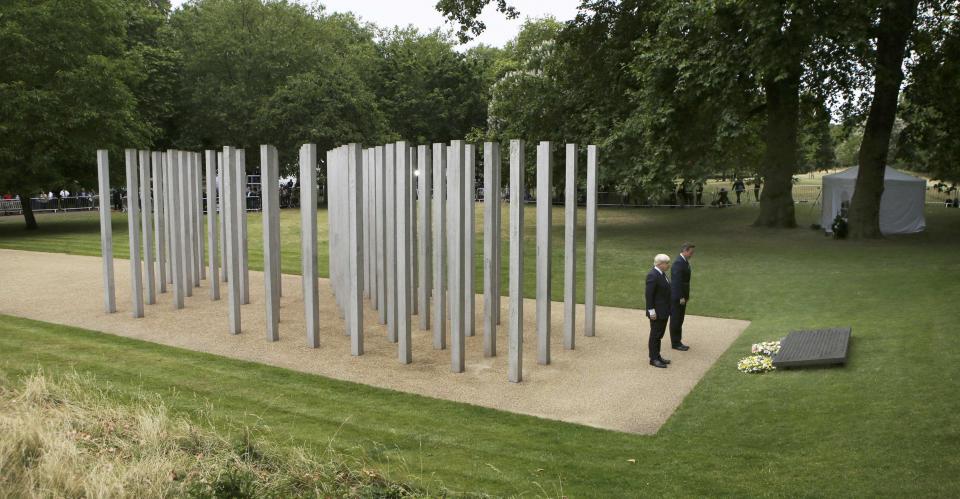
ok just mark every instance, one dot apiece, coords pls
pixel 709 197
pixel 940 197
pixel 40 205
pixel 50 205
pixel 78 203
pixel 10 207
pixel 253 203
pixel 290 198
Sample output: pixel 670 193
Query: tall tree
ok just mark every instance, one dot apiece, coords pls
pixel 255 71
pixel 892 34
pixel 817 151
pixel 466 13
pixel 700 83
pixel 787 36
pixel 712 72
pixel 697 108
pixel 427 90
pixel 930 141
pixel 158 63
pixel 65 82
pixel 527 99
pixel 327 106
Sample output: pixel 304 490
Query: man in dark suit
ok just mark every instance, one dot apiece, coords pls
pixel 658 307
pixel 680 295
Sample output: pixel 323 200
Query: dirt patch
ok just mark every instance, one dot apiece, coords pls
pixel 605 382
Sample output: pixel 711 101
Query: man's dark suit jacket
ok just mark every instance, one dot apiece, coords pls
pixel 680 279
pixel 658 294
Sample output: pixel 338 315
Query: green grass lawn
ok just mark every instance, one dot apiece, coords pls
pixel 887 424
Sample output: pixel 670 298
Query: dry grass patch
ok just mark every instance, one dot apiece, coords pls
pixel 68 437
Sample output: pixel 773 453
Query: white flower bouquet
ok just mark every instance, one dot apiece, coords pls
pixel 755 364
pixel 762 359
pixel 768 348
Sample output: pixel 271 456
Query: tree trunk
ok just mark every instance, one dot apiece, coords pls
pixel 896 23
pixel 27 210
pixel 780 157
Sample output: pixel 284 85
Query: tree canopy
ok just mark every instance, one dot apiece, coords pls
pixel 672 91
pixel 66 89
pixel 681 90
pixel 930 141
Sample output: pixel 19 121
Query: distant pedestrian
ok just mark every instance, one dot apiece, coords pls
pixel 117 198
pixel 738 188
pixel 757 182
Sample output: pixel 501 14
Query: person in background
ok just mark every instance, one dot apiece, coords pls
pixel 722 199
pixel 658 307
pixel 757 183
pixel 738 188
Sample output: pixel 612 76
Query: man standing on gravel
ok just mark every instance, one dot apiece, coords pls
pixel 680 295
pixel 658 307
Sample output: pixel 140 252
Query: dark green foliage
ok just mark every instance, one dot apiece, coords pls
pixel 894 29
pixel 427 91
pixel 931 105
pixel 673 92
pixel 467 14
pixel 817 151
pixel 78 76
pixel 66 88
pixel 255 73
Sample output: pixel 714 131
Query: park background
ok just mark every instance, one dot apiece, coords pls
pixel 667 99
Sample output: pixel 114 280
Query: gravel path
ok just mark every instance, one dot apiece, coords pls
pixel 605 382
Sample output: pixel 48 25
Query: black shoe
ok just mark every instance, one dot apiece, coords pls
pixel 658 363
pixel 665 361
pixel 681 347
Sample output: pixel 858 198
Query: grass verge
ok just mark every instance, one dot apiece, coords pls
pixel 68 436
pixel 887 424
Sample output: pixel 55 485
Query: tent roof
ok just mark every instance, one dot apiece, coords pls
pixel 890 175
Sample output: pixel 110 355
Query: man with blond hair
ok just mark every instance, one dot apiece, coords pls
pixel 658 307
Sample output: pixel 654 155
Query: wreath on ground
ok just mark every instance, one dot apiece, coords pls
pixel 762 359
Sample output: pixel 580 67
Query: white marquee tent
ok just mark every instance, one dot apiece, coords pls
pixel 901 207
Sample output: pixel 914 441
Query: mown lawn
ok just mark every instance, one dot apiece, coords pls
pixel 887 424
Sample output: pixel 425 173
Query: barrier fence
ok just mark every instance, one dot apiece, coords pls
pixel 41 205
pixel 941 196
pixel 711 196
pixel 290 198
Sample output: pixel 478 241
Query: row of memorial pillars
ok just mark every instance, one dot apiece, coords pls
pixel 234 234
pixel 544 195
pixel 402 236
pixel 173 209
pixel 167 212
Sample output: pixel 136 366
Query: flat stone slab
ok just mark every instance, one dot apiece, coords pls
pixel 606 382
pixel 814 348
